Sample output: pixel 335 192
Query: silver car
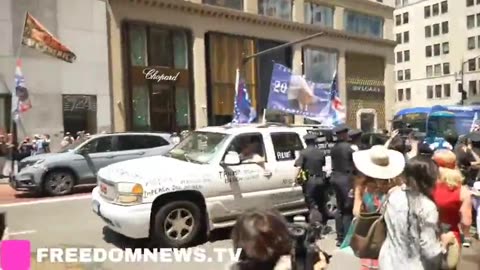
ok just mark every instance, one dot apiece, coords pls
pixel 57 174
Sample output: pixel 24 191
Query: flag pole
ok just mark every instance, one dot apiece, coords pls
pixel 16 117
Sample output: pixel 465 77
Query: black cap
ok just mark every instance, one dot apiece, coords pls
pixel 341 129
pixel 354 132
pixel 310 137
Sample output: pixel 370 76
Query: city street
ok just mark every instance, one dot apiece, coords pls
pixel 69 222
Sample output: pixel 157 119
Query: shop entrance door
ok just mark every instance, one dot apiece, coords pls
pixel 162 104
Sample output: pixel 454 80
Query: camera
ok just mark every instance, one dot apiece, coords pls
pixel 305 251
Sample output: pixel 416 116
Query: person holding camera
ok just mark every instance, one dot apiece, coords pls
pixel 267 243
pixel 311 160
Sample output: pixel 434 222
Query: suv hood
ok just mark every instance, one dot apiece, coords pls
pixel 47 156
pixel 150 171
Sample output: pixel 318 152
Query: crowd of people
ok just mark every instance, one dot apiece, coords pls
pixel 424 194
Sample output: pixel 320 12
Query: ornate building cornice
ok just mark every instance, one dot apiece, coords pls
pixel 249 18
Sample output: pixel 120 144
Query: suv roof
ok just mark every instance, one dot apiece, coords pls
pixel 247 128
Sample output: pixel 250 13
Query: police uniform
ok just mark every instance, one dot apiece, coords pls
pixel 312 160
pixel 342 181
pixel 355 135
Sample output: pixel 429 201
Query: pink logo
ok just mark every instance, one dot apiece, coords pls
pixel 15 255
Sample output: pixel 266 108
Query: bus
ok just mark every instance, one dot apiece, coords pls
pixel 415 118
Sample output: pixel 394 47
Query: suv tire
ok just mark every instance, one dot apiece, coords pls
pixel 177 224
pixel 58 183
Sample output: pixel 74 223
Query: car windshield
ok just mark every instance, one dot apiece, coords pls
pixel 198 147
pixel 72 146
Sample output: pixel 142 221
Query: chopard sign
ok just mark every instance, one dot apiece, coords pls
pixel 155 75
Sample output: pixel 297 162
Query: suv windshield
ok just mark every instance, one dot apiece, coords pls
pixel 198 147
pixel 72 146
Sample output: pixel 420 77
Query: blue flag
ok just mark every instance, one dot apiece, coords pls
pixel 243 110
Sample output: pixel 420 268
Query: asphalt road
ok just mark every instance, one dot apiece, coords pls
pixel 72 224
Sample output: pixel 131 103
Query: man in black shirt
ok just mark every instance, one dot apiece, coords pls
pixel 466 160
pixel 342 180
pixel 312 160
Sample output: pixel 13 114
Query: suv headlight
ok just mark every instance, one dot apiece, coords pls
pixel 129 193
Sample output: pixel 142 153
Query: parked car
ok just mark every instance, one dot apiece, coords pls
pixel 57 173
pixel 203 183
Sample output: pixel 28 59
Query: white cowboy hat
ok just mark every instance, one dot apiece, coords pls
pixel 379 162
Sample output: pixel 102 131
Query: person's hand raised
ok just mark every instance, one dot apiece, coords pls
pixel 395 133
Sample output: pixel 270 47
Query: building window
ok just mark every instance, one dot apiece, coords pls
pixel 438 91
pixel 318 14
pixel 436 29
pixel 281 9
pixel 398 3
pixel 407 74
pixel 471 43
pixel 428 51
pixel 446 90
pixel 427 11
pixel 400 95
pixel 428 31
pixel 469 3
pixel 444 7
pixel 405 17
pixel 320 64
pixel 470 21
pixel 235 4
pixel 399 57
pixel 406 37
pixel 478 41
pixel 446 68
pixel 399 38
pixel 478 20
pixel 158 105
pixel 363 24
pixel 435 10
pixel 429 71
pixel 436 49
pixel 445 48
pixel 80 113
pixel 400 75
pixel 408 94
pixel 437 70
pixel 430 92
pixel 472 88
pixel 5 112
pixel 444 27
pixel 398 19
pixel 406 55
pixel 471 65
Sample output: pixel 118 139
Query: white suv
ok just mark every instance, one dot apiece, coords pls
pixel 202 184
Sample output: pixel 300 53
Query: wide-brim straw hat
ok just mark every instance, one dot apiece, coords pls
pixel 379 162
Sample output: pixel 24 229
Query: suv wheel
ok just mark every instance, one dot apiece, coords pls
pixel 177 224
pixel 59 182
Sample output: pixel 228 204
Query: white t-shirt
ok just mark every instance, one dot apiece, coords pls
pixel 254 158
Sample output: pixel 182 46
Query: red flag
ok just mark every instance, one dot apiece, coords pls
pixel 36 36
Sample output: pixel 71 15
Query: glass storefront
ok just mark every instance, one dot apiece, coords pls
pixel 80 113
pixel 224 55
pixel 363 24
pixel 159 88
pixel 5 113
pixel 319 64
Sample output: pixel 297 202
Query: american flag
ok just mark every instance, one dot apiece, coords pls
pixel 243 110
pixel 337 109
pixel 21 101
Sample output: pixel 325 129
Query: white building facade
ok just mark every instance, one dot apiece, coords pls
pixel 65 97
pixel 438 50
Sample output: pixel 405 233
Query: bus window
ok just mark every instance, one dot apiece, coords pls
pixel 438 125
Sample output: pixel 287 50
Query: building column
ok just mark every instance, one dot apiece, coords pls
pixel 117 73
pixel 338 18
pixel 250 6
pixel 298 11
pixel 297 68
pixel 389 81
pixel 199 78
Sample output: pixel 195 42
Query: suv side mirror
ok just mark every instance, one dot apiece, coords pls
pixel 232 158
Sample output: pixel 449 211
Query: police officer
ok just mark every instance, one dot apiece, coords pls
pixel 342 181
pixel 356 140
pixel 312 160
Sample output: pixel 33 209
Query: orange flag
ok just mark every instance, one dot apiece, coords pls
pixel 36 36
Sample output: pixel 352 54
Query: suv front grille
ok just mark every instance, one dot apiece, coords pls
pixel 106 189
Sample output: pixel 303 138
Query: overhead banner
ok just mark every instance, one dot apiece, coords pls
pixel 36 36
pixel 293 94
